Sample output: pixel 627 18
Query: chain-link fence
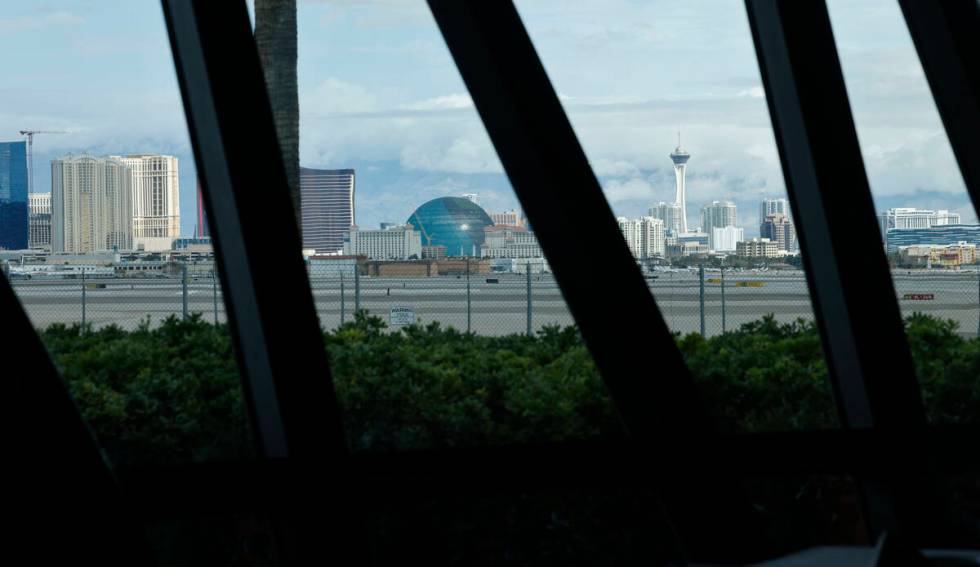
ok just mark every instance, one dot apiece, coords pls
pixel 709 301
pixel 101 300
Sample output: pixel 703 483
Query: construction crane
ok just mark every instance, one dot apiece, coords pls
pixel 30 153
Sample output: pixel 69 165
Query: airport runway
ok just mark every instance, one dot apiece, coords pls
pixel 494 308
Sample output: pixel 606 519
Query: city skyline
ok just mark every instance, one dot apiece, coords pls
pixel 413 138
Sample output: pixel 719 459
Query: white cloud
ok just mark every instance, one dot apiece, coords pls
pixel 34 23
pixel 446 102
pixel 631 189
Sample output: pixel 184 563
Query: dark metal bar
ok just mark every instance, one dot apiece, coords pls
pixel 616 314
pixel 68 508
pixel 287 385
pixel 869 360
pixel 946 34
pixel 557 188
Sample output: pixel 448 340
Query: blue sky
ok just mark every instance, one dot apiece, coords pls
pixel 379 92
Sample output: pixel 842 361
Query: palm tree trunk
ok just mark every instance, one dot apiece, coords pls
pixel 275 35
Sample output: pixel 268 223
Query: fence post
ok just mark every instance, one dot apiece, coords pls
pixel 183 288
pixel 83 299
pixel 530 309
pixel 701 287
pixel 214 294
pixel 468 304
pixel 343 306
pixel 723 326
pixel 357 290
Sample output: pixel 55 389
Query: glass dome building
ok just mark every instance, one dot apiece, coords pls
pixel 453 222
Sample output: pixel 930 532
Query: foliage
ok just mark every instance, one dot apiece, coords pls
pixel 171 393
pixel 164 394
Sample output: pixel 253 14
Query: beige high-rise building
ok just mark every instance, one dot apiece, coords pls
pixel 155 200
pixel 90 207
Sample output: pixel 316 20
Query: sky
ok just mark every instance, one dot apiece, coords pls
pixel 380 93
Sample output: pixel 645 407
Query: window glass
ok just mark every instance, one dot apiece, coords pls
pixel 443 322
pixel 928 224
pixel 667 101
pixel 102 234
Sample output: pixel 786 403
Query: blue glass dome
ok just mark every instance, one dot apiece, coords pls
pixel 453 222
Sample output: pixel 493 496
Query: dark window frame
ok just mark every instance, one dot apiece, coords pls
pixel 297 422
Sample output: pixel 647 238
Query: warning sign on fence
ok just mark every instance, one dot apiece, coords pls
pixel 919 296
pixel 402 316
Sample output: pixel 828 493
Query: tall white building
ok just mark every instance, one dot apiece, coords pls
pixel 155 200
pixel 644 236
pixel 910 217
pixel 400 243
pixel 90 207
pixel 718 214
pixel 670 214
pixel 680 156
pixel 774 207
pixel 39 220
pixel 725 239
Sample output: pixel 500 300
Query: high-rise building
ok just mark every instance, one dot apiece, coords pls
pixel 644 236
pixel 774 207
pixel 725 239
pixel 90 208
pixel 507 218
pixel 903 218
pixel 778 228
pixel 680 156
pixel 718 214
pixel 389 244
pixel 39 209
pixel 155 200
pixel 670 214
pixel 201 228
pixel 327 205
pixel 13 196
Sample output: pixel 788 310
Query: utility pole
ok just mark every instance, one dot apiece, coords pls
pixel 343 306
pixel 83 299
pixel 357 289
pixel 701 287
pixel 183 285
pixel 723 326
pixel 468 304
pixel 530 310
pixel 214 294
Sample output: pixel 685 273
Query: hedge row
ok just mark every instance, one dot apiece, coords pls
pixel 171 393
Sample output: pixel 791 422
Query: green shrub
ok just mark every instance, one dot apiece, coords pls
pixel 171 393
